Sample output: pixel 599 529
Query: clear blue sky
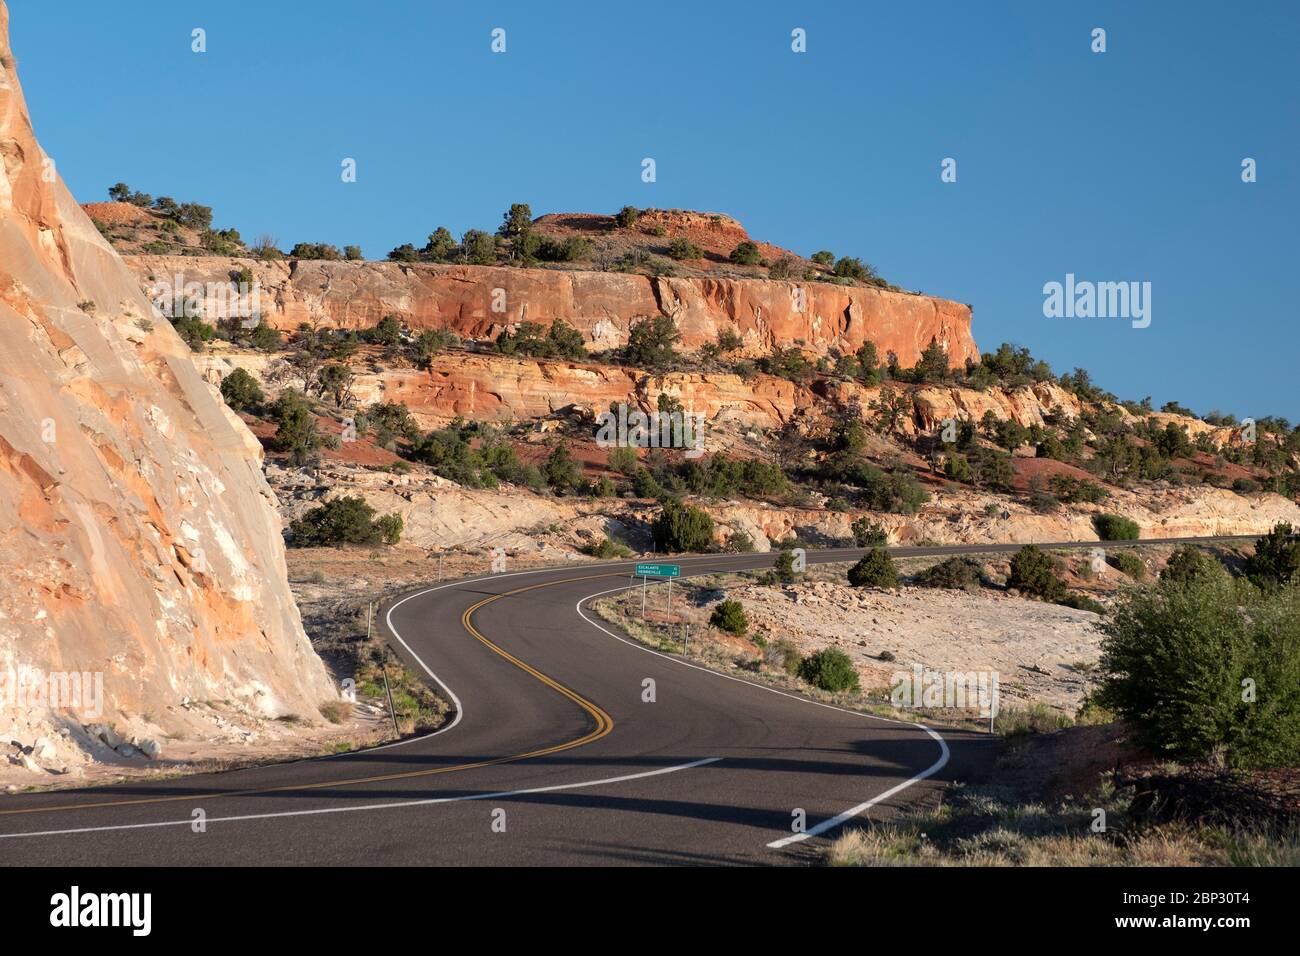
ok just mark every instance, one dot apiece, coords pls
pixel 1115 166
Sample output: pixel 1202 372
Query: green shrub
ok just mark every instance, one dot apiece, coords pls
pixel 390 421
pixel 1036 573
pixel 1276 561
pixel 429 344
pixel 787 655
pixel 387 331
pixel 729 340
pixel 789 364
pixel 1081 602
pixel 897 491
pixel 957 468
pixel 682 248
pixel 389 528
pixel 746 254
pixel 876 569
pixel 961 573
pixel 991 468
pixel 1073 490
pixel 296 431
pixel 645 485
pixel 851 267
pixel 1128 563
pixel 345 520
pixel 195 332
pixel 650 342
pixel 784 567
pixel 740 542
pixel 680 527
pixel 868 533
pixel 479 247
pixel 315 250
pixel 560 470
pixel 830 669
pixel 730 616
pixel 558 340
pixel 1207 667
pixel 1115 528
pixel 264 338
pixel 241 391
pixel 623 460
pixel 449 453
pixel 717 476
pixel 608 549
pixel 1189 563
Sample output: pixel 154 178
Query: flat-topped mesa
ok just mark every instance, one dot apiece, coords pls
pixel 479 302
pixel 138 537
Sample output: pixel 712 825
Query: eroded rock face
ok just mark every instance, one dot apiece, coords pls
pixel 138 537
pixel 602 305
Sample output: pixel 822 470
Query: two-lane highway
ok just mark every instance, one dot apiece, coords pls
pixel 553 754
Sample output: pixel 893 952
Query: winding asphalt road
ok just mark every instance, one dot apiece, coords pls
pixel 550 756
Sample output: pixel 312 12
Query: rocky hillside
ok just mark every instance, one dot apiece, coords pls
pixel 542 401
pixel 816 316
pixel 138 536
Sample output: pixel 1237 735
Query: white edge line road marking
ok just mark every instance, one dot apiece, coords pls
pixel 460 709
pixel 610 565
pixel 838 818
pixel 500 794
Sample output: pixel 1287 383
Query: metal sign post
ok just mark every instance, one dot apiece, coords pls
pixel 648 571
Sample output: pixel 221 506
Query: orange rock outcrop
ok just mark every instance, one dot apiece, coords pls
pixel 138 537
pixel 478 302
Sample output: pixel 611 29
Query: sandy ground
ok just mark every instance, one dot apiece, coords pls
pixel 226 736
pixel 1042 652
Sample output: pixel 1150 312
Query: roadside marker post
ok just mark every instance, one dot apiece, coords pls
pixel 383 665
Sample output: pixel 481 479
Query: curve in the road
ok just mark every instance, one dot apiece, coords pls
pixel 710 768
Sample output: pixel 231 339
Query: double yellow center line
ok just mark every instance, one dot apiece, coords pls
pixel 604 724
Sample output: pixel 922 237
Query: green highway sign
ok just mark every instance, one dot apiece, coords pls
pixel 658 570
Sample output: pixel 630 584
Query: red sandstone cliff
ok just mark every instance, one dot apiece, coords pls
pixel 817 315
